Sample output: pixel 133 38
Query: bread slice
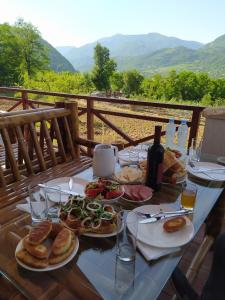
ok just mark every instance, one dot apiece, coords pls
pixel 40 232
pixel 38 251
pixel 62 242
pixel 30 260
pixel 56 259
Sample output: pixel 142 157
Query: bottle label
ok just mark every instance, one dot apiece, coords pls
pixel 160 173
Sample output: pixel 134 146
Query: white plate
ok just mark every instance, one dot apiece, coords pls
pixel 50 267
pixel 212 176
pixel 106 235
pixel 221 159
pixel 78 186
pixel 153 233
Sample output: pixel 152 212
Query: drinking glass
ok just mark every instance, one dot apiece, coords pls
pixel 195 152
pixel 38 205
pixel 127 228
pixel 188 195
pixel 53 201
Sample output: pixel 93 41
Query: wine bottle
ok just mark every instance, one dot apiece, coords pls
pixel 155 162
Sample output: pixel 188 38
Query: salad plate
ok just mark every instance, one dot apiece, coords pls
pixel 107 191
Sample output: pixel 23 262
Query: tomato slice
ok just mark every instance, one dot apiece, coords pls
pixel 92 193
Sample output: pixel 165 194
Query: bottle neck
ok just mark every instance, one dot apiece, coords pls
pixel 157 136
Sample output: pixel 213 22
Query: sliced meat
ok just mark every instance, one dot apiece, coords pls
pixel 137 192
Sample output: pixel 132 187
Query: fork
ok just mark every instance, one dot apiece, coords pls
pixel 161 212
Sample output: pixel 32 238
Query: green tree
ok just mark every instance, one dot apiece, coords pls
pixel 132 82
pixel 9 57
pixel 117 81
pixel 103 68
pixel 34 54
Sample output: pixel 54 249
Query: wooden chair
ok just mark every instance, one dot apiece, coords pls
pixel 47 148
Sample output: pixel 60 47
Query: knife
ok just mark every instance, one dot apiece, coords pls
pixel 155 219
pixel 58 190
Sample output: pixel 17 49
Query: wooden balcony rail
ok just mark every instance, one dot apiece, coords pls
pixel 91 111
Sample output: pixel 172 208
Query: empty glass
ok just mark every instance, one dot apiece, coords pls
pixel 53 201
pixel 127 227
pixel 38 205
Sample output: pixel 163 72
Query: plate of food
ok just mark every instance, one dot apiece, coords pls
pixel 130 175
pixel 173 232
pixel 48 246
pixel 105 190
pixel 137 193
pixel 174 171
pixel 89 217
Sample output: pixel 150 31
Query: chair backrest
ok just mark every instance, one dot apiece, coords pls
pixel 45 138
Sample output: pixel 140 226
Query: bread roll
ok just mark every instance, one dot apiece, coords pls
pixel 39 251
pixel 30 260
pixel 174 224
pixel 62 242
pixel 56 259
pixel 40 232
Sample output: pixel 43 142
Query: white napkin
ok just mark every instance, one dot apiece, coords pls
pixel 151 253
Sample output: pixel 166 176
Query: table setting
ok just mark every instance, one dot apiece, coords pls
pixel 128 217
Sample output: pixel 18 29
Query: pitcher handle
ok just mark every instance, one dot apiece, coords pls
pixel 115 148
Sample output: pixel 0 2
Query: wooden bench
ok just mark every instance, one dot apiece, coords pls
pixel 47 148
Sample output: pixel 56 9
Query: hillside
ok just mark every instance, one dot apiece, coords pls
pixel 123 47
pixel 57 61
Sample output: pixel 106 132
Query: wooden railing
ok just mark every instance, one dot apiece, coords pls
pixel 91 111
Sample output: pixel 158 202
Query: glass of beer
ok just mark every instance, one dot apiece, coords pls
pixel 188 195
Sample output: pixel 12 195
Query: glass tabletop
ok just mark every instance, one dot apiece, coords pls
pixel 95 273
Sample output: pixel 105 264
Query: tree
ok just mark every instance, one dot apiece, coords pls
pixel 116 81
pixel 34 54
pixel 9 57
pixel 132 82
pixel 103 68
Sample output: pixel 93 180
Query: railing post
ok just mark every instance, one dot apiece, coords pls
pixel 24 99
pixel 74 125
pixel 195 120
pixel 90 123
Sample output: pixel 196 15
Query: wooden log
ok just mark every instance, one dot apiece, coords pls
pixel 69 138
pixel 10 154
pixel 37 146
pixel 59 139
pixel 49 142
pixel 90 123
pixel 23 149
pixel 38 116
pixel 73 121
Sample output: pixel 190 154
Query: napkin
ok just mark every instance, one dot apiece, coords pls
pixel 151 253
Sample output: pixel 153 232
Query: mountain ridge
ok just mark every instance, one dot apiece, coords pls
pixel 123 46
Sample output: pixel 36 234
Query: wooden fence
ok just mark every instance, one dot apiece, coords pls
pixel 90 110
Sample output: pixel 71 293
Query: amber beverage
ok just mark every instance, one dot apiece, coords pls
pixel 188 196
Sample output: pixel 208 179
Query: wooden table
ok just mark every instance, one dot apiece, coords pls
pixel 94 273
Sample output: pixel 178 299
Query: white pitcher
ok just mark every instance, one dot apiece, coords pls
pixel 104 160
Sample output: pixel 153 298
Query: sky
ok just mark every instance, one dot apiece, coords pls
pixel 78 22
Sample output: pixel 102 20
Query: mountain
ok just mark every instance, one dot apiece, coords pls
pixel 209 58
pixel 124 46
pixel 58 62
